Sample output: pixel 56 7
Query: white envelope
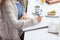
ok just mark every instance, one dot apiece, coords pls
pixel 53 27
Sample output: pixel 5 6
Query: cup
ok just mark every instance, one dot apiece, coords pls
pixel 37 8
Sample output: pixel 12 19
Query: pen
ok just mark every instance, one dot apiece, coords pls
pixel 38 14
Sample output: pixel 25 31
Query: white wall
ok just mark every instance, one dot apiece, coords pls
pixel 45 7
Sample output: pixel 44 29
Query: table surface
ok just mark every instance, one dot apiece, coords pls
pixel 41 34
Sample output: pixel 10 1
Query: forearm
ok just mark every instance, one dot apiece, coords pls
pixel 30 22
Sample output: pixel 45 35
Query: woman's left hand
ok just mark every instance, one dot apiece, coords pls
pixel 24 17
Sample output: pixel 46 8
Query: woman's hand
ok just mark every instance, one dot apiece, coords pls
pixel 39 18
pixel 24 17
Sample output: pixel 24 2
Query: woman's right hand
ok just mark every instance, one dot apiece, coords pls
pixel 39 18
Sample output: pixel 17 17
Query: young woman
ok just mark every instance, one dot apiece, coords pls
pixel 10 21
